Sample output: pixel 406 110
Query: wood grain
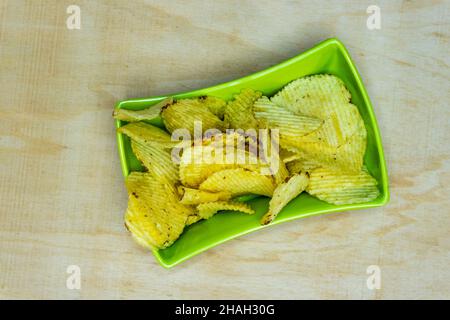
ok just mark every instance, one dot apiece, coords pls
pixel 61 189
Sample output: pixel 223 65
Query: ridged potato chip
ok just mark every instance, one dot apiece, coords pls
pixel 147 134
pixel 207 210
pixel 289 124
pixel 280 172
pixel 320 152
pixel 195 196
pixel 154 215
pixel 342 188
pixel 200 161
pixel 315 96
pixel 351 153
pixel 283 194
pixel 193 218
pixel 342 123
pixel 340 141
pixel 185 112
pixel 140 115
pixel 347 157
pixel 289 155
pixel 269 155
pixel 215 105
pixel 139 228
pixel 196 165
pixel 301 165
pixel 238 113
pixel 239 182
pixel 158 161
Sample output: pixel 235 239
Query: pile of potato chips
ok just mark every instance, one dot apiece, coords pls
pixel 319 148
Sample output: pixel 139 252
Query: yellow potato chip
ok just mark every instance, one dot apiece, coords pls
pixel 289 124
pixel 196 165
pixel 154 216
pixel 342 188
pixel 207 210
pixel 350 155
pixel 320 152
pixel 283 194
pixel 200 161
pixel 193 219
pixel 157 161
pixel 195 196
pixel 215 105
pixel 341 124
pixel 301 165
pixel 147 134
pixel 239 182
pixel 340 141
pixel 139 115
pixel 184 113
pixel 270 158
pixel 315 96
pixel 138 229
pixel 238 113
pixel 279 171
pixel 289 155
pixel 347 157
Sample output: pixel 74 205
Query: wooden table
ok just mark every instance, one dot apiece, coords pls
pixel 61 189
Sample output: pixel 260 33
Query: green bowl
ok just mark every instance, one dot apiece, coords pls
pixel 329 57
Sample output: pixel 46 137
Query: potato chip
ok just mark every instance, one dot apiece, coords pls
pixel 283 194
pixel 289 124
pixel 340 141
pixel 315 96
pixel 238 113
pixel 195 166
pixel 270 158
pixel 289 155
pixel 279 171
pixel 302 165
pixel 350 155
pixel 215 105
pixel 238 182
pixel 342 188
pixel 184 113
pixel 207 210
pixel 158 161
pixel 347 157
pixel 139 115
pixel 154 215
pixel 193 219
pixel 147 134
pixel 320 152
pixel 342 123
pixel 200 161
pixel 195 196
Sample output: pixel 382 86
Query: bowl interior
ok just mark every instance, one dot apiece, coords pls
pixel 330 57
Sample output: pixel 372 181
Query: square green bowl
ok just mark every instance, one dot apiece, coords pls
pixel 329 57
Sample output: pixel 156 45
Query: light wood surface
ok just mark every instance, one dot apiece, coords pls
pixel 61 189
